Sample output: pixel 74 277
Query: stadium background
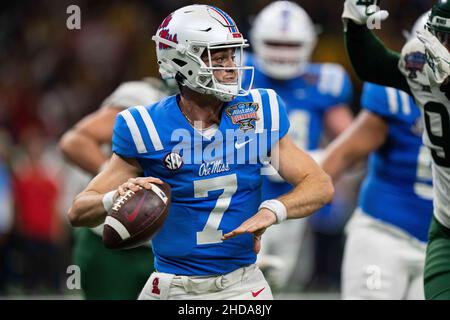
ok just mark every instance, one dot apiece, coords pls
pixel 50 77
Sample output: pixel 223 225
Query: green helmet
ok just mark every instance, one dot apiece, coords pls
pixel 439 19
pixel 439 22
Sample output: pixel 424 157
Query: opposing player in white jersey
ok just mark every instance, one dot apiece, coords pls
pixel 423 70
pixel 220 136
pixel 108 274
pixel 316 95
pixel 386 237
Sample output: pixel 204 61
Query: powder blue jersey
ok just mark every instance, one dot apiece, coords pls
pixel 215 179
pixel 307 98
pixel 398 188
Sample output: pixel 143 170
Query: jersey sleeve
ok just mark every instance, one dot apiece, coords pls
pixel 335 84
pixel 284 119
pixel 133 93
pixel 386 102
pixel 374 99
pixel 412 65
pixel 275 115
pixel 123 143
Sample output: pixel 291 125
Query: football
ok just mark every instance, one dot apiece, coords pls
pixel 136 217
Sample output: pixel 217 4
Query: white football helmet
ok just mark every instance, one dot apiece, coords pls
pixel 182 39
pixel 283 37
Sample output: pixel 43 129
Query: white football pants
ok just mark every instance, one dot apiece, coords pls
pixel 381 261
pixel 247 283
pixel 282 241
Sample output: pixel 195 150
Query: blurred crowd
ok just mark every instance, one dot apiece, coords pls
pixel 50 77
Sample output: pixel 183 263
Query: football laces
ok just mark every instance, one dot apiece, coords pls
pixel 122 199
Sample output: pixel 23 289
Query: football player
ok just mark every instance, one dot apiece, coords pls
pixel 210 144
pixel 386 237
pixel 108 274
pixel 422 69
pixel 316 96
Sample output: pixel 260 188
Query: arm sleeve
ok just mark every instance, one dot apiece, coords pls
pixel 371 60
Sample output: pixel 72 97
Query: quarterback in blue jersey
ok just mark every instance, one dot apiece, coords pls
pixel 385 249
pixel 211 143
pixel 316 96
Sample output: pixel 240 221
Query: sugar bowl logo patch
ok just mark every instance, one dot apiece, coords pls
pixel 244 114
pixel 414 63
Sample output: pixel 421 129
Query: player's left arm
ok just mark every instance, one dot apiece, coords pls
pixel 312 190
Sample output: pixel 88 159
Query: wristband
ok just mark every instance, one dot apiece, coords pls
pixel 277 207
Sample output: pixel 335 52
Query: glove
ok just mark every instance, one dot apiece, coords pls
pixel 438 57
pixel 363 12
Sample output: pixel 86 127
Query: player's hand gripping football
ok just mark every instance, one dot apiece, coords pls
pixel 360 10
pixel 135 184
pixel 256 225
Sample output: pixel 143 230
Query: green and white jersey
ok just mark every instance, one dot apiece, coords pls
pixel 435 107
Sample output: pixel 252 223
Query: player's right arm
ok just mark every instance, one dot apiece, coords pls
pixel 82 145
pixel 121 174
pixel 367 133
pixel 370 59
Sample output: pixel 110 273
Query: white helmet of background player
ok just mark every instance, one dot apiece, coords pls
pixel 188 33
pixel 283 37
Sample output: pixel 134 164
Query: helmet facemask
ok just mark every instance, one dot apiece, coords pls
pixel 192 71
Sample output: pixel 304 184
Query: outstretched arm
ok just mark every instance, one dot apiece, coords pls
pixel 371 60
pixel 82 145
pixel 367 133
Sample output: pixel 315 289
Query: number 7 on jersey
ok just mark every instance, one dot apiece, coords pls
pixel 211 233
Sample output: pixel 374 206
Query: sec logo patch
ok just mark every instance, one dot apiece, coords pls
pixel 173 161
